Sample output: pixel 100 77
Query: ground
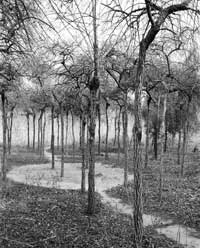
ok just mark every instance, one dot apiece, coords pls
pixel 41 217
pixel 181 195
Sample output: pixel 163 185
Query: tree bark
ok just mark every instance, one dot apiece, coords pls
pixel 80 130
pixel 87 143
pixel 107 130
pixel 58 133
pixel 9 128
pixel 66 131
pixel 91 174
pixel 28 130
pixel 43 134
pixel 83 124
pixel 94 86
pixel 62 140
pixel 115 124
pixel 38 134
pixel 4 124
pixel 137 158
pixel 166 138
pixel 52 139
pixel 185 136
pixel 125 138
pixel 34 117
pixel 179 147
pixel 73 136
pixel 99 128
pixel 118 136
pixel 162 146
pixel 147 134
pixel 183 148
pixel 156 130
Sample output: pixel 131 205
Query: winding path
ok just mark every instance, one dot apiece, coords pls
pixel 106 177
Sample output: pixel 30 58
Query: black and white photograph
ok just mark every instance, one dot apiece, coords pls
pixel 99 124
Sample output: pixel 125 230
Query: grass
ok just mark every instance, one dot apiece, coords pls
pixel 40 217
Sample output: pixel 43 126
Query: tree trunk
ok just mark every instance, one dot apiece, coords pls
pixel 28 130
pixel 118 136
pixel 183 148
pixel 91 174
pixel 115 124
pixel 147 134
pixel 87 144
pixel 185 136
pixel 34 117
pixel 80 130
pixel 125 139
pixel 179 147
pixel 73 136
pixel 66 131
pixel 162 146
pixel 156 130
pixel 9 128
pixel 39 133
pixel 4 124
pixel 83 124
pixel 62 140
pixel 58 133
pixel 43 135
pixel 107 130
pixel 166 138
pixel 52 139
pixel 94 86
pixel 99 124
pixel 155 143
pixel 137 151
